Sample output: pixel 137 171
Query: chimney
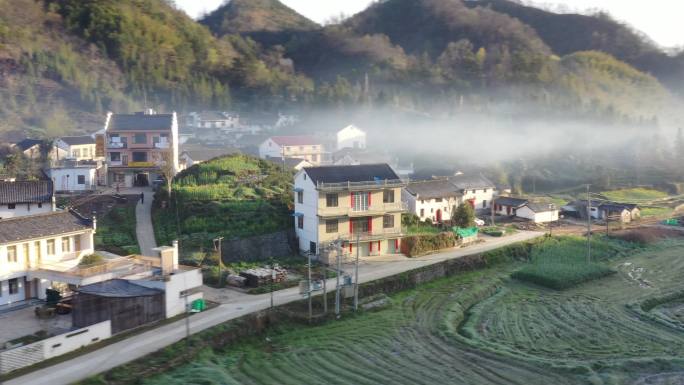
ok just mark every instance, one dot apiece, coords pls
pixel 175 254
pixel 169 258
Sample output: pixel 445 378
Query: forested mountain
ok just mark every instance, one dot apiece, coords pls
pixel 64 63
pixel 566 33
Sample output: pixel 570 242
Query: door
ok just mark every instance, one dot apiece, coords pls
pixel 439 216
pixel 124 159
pixel 28 288
pixel 312 248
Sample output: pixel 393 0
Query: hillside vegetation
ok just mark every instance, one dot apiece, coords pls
pixel 66 62
pixel 235 196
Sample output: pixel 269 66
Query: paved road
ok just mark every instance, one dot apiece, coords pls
pixel 143 224
pixel 127 350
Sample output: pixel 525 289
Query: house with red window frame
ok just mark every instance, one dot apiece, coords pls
pixel 349 205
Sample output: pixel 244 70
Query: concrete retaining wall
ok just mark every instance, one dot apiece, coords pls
pixel 259 248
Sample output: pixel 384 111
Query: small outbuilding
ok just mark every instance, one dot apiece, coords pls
pixel 126 304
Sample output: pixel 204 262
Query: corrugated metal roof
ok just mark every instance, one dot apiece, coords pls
pixel 118 288
pixel 35 191
pixel 41 225
pixel 510 201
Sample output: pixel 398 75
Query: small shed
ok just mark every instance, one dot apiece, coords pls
pixel 261 276
pixel 126 304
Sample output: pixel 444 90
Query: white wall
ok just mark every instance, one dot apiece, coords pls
pixel 310 210
pixel 351 137
pixel 430 207
pixel 481 196
pixel 66 179
pixel 24 209
pixel 174 287
pixel 544 217
pixel 269 148
pixel 27 355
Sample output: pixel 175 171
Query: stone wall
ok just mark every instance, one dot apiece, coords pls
pixel 259 248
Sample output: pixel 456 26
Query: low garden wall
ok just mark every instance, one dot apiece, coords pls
pixel 27 355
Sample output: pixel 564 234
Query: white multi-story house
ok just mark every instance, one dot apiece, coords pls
pixel 78 147
pixel 300 147
pixel 432 199
pixel 351 137
pixel 23 198
pixel 36 249
pixel 344 204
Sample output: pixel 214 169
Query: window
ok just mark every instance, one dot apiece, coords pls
pixel 300 222
pixel 86 152
pixel 314 158
pixel 300 196
pixel 77 243
pixel 13 285
pixel 474 191
pixel 332 200
pixel 50 247
pixel 422 202
pixel 388 196
pixel 140 139
pixel 485 190
pixel 11 206
pixel 81 179
pixel 40 205
pixel 140 157
pixel 76 153
pixel 361 225
pixel 422 213
pixel 115 156
pixel 66 245
pixel 11 253
pixel 484 204
pixel 438 200
pixel 301 148
pixel 359 201
pixel 331 226
pixel 388 221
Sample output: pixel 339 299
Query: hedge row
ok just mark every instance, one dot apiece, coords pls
pixel 416 245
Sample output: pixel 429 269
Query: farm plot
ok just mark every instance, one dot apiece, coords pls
pixel 477 328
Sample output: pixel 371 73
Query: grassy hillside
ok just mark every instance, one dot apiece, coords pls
pixel 234 196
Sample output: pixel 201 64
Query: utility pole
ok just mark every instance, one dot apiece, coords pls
pixel 325 290
pixel 356 273
pixel 588 225
pixel 309 288
pixel 339 270
pixel 220 260
pixel 273 277
pixel 493 204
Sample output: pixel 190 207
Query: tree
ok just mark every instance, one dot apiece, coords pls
pixel 167 169
pixel 464 216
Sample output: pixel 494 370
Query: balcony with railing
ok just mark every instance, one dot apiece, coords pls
pixel 361 186
pixel 63 271
pixel 116 145
pixel 162 145
pixel 363 236
pixel 360 211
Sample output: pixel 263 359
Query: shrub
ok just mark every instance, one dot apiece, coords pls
pixel 416 245
pixel 559 276
pixel 91 259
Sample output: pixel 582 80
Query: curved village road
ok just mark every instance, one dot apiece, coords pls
pixel 140 345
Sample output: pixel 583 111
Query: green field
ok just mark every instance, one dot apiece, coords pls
pixel 481 328
pixel 634 195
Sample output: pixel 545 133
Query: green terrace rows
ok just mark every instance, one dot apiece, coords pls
pixel 481 328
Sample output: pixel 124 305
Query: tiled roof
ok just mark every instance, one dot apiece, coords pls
pixel 141 122
pixel 28 143
pixel 510 201
pixel 78 140
pixel 360 173
pixel 300 140
pixel 470 182
pixel 541 207
pixel 431 189
pixel 118 288
pixel 289 162
pixel 38 191
pixel 41 225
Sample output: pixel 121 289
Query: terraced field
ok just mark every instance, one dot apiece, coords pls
pixel 481 328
